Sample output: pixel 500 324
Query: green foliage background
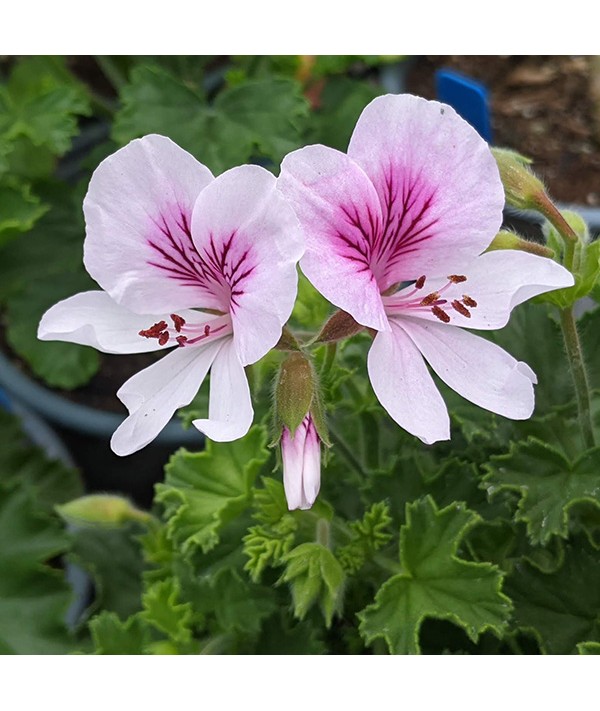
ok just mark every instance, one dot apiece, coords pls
pixel 487 544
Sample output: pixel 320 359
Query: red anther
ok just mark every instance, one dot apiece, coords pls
pixel 178 322
pixel 163 338
pixel 420 283
pixel 468 301
pixel 442 315
pixel 457 306
pixel 206 330
pixel 430 299
pixel 154 331
pixel 181 340
pixel 457 278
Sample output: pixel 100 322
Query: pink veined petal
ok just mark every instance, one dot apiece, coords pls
pixel 438 184
pixel 405 388
pixel 311 479
pixel 479 370
pixel 292 455
pixel 153 394
pixel 138 244
pixel 249 238
pixel 496 281
pixel 340 214
pixel 92 318
pixel 230 410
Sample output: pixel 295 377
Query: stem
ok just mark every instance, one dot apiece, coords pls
pixel 322 533
pixel 111 71
pixel 330 352
pixel 579 374
pixel 553 214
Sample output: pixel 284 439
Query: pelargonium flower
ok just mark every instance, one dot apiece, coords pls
pixel 203 265
pixel 415 201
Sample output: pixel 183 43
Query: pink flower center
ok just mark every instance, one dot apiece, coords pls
pixel 188 334
pixel 443 309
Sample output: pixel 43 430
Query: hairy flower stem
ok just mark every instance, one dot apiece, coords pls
pixel 322 533
pixel 579 375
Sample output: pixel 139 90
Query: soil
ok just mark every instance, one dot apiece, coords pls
pixel 541 106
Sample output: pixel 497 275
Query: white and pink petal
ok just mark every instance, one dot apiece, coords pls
pixel 339 211
pixel 138 210
pixel 475 368
pixel 438 184
pixel 404 386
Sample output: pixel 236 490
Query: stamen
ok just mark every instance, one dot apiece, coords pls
pixel 457 306
pixel 430 299
pixel 181 340
pixel 420 283
pixel 457 278
pixel 468 301
pixel 207 330
pixel 178 322
pixel 163 338
pixel 441 314
pixel 154 331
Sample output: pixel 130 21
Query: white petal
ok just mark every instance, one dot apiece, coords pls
pixel 153 394
pixel 404 386
pixel 311 475
pixel 92 318
pixel 230 410
pixel 477 369
pixel 248 234
pixel 292 455
pixel 138 244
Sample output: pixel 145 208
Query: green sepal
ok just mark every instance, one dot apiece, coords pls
pixel 101 510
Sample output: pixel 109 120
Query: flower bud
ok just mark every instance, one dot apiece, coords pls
pixel 101 510
pixel 521 187
pixel 506 239
pixel 300 429
pixel 301 455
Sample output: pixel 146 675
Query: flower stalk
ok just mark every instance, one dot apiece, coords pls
pixel 579 375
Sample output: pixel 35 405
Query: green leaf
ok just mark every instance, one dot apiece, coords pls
pixel 113 558
pixel 111 636
pixel 260 117
pixel 205 490
pixel 19 209
pixel 562 608
pixel 435 583
pixel 163 610
pixel 62 365
pixel 549 484
pixel 369 535
pixel 588 647
pixel 315 575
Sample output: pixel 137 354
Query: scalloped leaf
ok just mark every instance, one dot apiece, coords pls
pixel 435 583
pixel 548 483
pixel 205 490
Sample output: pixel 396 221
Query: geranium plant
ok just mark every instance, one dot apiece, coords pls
pixel 370 475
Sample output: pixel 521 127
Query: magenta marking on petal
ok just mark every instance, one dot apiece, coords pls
pixel 217 271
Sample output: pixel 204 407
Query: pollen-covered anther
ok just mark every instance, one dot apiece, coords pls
pixel 420 283
pixel 163 338
pixel 207 330
pixel 468 301
pixel 181 340
pixel 461 308
pixel 457 278
pixel 154 331
pixel 430 299
pixel 178 322
pixel 441 314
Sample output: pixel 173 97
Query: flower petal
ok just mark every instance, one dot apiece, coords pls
pixel 138 209
pixel 92 318
pixel 495 283
pixel 437 181
pixel 292 455
pixel 339 212
pixel 477 369
pixel 249 237
pixel 311 476
pixel 153 394
pixel 405 388
pixel 230 410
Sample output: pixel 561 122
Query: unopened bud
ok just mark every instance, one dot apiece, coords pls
pixel 509 240
pixel 101 510
pixel 341 325
pixel 301 455
pixel 522 188
pixel 295 390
